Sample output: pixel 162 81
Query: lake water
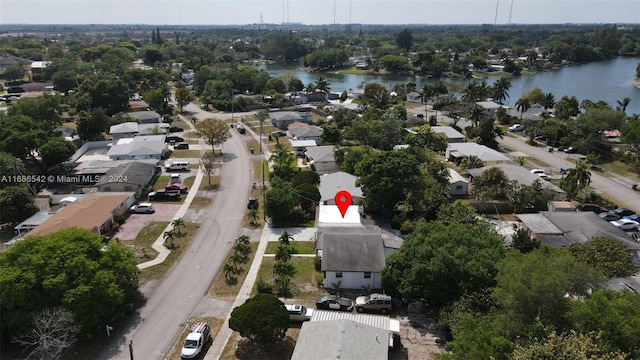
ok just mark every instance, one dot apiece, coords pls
pixel 605 80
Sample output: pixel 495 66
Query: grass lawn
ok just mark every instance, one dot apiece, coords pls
pixel 619 168
pixel 353 70
pixel 304 282
pixel 253 144
pixel 215 182
pixel 182 242
pixel 200 202
pixel 256 193
pixel 220 289
pixel 181 154
pixel 214 323
pixel 238 348
pixel 256 169
pixel 302 247
pixel 146 236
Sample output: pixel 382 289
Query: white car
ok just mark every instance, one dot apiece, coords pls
pixel 625 224
pixel 199 335
pixel 516 127
pixel 299 312
pixel 538 171
pixel 142 208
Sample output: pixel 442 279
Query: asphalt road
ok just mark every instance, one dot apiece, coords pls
pixel 182 293
pixel 616 187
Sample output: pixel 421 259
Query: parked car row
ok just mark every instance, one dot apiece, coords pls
pixel 370 303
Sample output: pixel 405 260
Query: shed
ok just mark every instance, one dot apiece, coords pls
pixel 458 186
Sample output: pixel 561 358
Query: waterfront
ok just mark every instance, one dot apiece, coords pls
pixel 605 80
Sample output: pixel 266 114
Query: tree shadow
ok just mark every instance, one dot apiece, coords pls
pixel 279 350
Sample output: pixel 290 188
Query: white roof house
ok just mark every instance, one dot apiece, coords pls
pixel 449 133
pixel 330 216
pixel 456 151
pixel 139 147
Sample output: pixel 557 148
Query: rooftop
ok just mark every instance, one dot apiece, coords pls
pixel 330 184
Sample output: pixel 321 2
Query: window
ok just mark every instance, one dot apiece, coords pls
pixel 458 187
pixel 339 275
pixel 367 275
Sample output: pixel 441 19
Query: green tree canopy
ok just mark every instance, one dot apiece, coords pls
pixel 609 256
pixel 442 262
pixel 56 151
pixel 262 319
pixel 71 268
pixel 572 345
pixel 92 126
pixel 16 203
pixel 215 131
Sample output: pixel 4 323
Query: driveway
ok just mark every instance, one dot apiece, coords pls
pixel 135 222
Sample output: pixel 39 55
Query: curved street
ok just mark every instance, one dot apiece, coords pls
pixel 171 301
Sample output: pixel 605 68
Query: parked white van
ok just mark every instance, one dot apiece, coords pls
pixel 178 166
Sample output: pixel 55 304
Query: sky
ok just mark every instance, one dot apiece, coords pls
pixel 311 12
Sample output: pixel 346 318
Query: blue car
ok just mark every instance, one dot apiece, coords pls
pixel 634 217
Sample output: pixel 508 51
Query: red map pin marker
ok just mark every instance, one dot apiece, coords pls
pixel 343 200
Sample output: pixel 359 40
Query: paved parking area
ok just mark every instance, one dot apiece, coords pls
pixel 135 222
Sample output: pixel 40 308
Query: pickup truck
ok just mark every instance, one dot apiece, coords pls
pixel 167 194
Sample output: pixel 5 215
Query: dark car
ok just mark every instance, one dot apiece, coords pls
pixel 333 302
pixel 540 138
pixel 592 207
pixel 553 143
pixel 609 216
pixel 166 194
pixel 570 150
pixel 175 139
pixel 253 204
pixel 181 146
pixel 622 212
pixel 175 129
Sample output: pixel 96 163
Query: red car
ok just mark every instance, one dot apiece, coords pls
pixel 177 186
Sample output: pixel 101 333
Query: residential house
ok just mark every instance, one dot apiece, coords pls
pixel 95 212
pixel 146 117
pixel 331 184
pixel 449 133
pixel 301 146
pixel 138 105
pixel 458 186
pixel 561 229
pixel 37 67
pixel 489 106
pixel 341 339
pixel 139 147
pixel 523 176
pixel 308 132
pixel 125 130
pixel 457 151
pixel 132 176
pixel 352 256
pixel 322 160
pixel 282 119
pixel 414 97
pixel 7 60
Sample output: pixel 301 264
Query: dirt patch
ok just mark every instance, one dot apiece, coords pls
pixel 135 222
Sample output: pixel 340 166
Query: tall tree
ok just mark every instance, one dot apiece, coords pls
pixel 183 97
pixel 267 328
pixel 17 204
pixel 435 263
pixel 576 179
pixel 56 151
pixel 284 163
pixel 215 131
pixel 500 89
pixel 609 256
pixel 404 39
pixel 523 104
pixel 92 126
pixel 54 330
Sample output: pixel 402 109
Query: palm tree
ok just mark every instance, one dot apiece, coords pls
pixel 177 224
pixel 170 236
pixel 228 269
pixel 253 217
pixel 243 250
pixel 427 93
pixel 235 259
pixel 285 238
pixel 576 180
pixel 471 162
pixel 521 160
pixel 500 90
pixel 243 239
pixel 548 101
pixel 309 89
pixel 283 253
pixel 476 114
pixel 322 85
pixel 523 104
pixel 281 268
pixel 622 105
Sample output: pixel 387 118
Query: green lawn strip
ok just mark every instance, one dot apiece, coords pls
pixel 304 282
pixel 220 289
pixel 253 144
pixel 301 247
pixel 182 243
pixel 182 154
pixel 619 168
pixel 256 193
pixel 257 166
pixel 141 245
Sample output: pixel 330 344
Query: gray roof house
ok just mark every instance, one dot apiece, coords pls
pixel 562 229
pixel 282 119
pixel 322 160
pixel 341 339
pixel 353 256
pixel 139 147
pixel 132 176
pixel 414 97
pixel 146 117
pixel 489 106
pixel 456 151
pixel 127 129
pixel 452 135
pixel 309 132
pixel 330 184
pixel 523 176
